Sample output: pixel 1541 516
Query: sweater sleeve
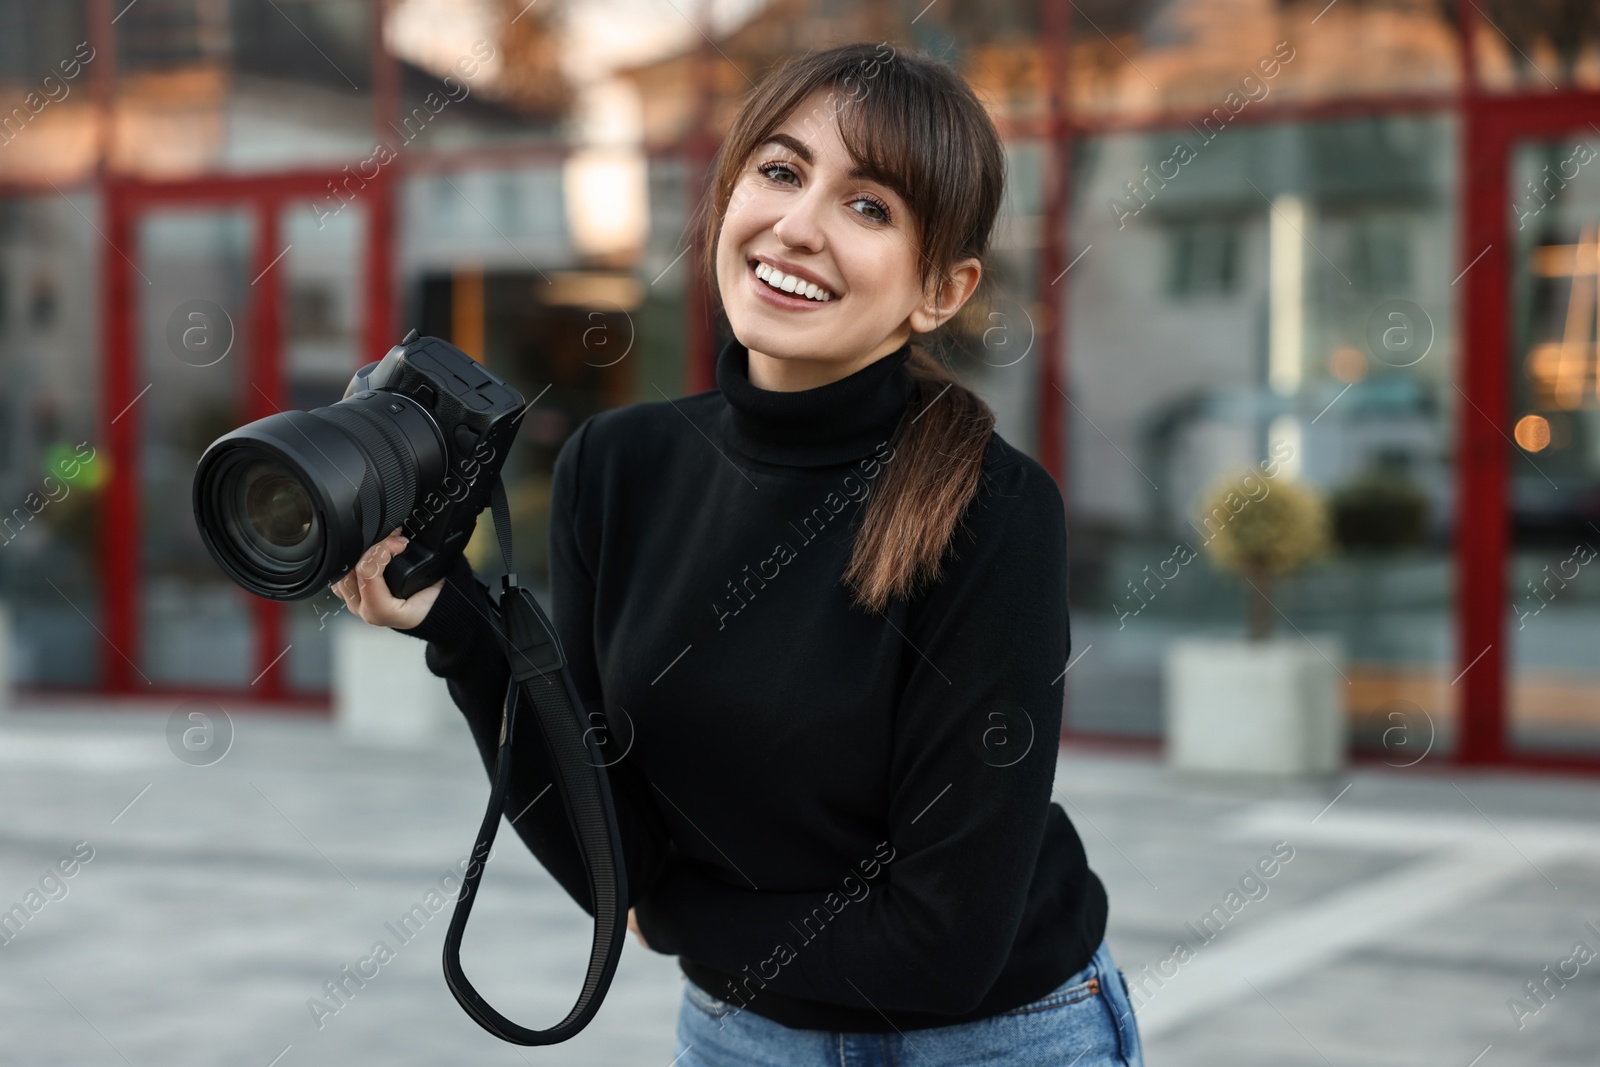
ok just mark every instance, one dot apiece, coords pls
pixel 463 649
pixel 973 763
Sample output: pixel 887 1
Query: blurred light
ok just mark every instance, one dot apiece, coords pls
pixel 1561 261
pixel 606 200
pixel 1286 297
pixel 1287 428
pixel 590 289
pixel 70 464
pixel 1533 433
pixel 1348 363
pixel 434 34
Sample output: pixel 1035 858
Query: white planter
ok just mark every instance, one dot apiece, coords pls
pixel 1255 707
pixel 383 692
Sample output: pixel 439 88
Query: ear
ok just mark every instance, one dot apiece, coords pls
pixel 959 285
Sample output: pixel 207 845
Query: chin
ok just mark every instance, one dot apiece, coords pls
pixel 773 340
pixel 769 344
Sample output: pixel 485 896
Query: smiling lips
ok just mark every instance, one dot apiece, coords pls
pixel 788 283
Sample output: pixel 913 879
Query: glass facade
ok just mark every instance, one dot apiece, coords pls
pixel 194 382
pixel 53 462
pixel 1277 290
pixel 1554 386
pixel 1257 256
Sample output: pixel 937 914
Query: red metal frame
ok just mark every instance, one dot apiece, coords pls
pixel 1056 182
pixel 263 394
pixel 125 199
pixel 1492 127
pixel 700 148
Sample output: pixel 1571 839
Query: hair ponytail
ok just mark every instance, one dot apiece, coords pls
pixel 911 515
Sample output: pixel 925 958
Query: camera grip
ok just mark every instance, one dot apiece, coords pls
pixel 414 570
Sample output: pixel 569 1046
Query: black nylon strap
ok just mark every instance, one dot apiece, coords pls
pixel 502 520
pixel 538 674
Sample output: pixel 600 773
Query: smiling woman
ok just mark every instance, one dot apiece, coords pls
pixel 850 210
pixel 853 701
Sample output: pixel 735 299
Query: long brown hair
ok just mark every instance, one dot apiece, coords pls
pixel 916 122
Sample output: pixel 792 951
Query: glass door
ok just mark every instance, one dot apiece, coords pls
pixel 191 383
pixel 1553 569
pixel 237 302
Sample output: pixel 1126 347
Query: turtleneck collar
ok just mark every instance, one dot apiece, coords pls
pixel 833 423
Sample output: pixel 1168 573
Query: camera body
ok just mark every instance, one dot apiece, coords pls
pixel 476 415
pixel 288 503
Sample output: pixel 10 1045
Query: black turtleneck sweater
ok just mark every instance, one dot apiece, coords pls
pixel 838 820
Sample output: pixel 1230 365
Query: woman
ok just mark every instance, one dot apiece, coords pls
pixel 823 610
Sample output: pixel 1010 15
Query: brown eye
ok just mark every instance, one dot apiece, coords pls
pixel 766 169
pixel 881 207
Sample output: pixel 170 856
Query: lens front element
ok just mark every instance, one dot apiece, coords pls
pixel 278 507
pixel 268 514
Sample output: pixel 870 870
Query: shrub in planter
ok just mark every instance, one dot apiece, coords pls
pixel 1257 704
pixel 1261 535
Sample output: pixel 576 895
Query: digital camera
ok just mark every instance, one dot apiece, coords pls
pixel 287 504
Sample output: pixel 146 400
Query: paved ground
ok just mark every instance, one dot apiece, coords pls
pixel 1400 929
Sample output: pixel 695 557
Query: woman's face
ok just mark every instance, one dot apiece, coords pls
pixel 797 208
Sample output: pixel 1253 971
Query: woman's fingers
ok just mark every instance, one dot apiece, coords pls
pixel 351 592
pixel 345 589
pixel 367 595
pixel 362 588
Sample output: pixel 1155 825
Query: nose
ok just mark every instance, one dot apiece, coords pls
pixel 800 226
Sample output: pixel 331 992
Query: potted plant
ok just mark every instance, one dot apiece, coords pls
pixel 1262 702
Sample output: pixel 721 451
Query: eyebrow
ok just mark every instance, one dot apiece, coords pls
pixel 799 148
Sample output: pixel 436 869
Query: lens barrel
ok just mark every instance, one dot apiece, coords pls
pixel 288 503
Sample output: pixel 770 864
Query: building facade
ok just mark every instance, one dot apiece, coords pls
pixel 1361 237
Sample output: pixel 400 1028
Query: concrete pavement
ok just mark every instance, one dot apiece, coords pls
pixel 213 903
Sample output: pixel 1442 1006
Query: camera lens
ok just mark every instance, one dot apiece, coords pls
pixel 288 503
pixel 277 504
pixel 268 514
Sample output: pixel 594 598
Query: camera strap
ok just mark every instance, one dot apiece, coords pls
pixel 539 675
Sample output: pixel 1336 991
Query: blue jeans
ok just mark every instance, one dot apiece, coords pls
pixel 1086 1021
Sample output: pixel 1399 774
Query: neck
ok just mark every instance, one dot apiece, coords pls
pixel 845 418
pixel 794 374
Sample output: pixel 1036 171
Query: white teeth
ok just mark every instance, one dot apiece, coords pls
pixel 790 284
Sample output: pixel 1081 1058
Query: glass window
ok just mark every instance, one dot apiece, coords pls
pixel 1554 597
pixel 196 627
pixel 1139 60
pixel 1204 258
pixel 1278 291
pixel 53 462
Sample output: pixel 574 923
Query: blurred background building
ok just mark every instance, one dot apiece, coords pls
pixel 1367 229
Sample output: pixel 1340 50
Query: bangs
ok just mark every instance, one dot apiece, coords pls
pixel 876 134
pixel 901 130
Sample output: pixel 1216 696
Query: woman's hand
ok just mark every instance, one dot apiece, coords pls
pixel 633 924
pixel 366 594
